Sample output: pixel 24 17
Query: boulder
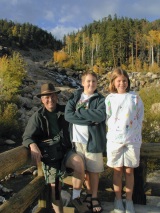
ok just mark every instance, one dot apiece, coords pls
pixel 155 108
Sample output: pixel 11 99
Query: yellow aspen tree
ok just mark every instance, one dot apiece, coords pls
pixel 152 39
pixel 61 56
pixel 78 42
pixel 95 42
pixel 69 45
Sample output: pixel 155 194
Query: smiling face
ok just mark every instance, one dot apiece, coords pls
pixel 89 82
pixel 121 84
pixel 50 101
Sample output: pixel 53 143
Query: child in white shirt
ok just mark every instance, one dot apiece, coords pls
pixel 125 112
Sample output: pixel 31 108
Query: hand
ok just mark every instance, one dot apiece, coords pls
pixel 35 153
pixel 82 105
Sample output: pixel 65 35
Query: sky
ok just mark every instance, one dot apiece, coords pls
pixel 61 17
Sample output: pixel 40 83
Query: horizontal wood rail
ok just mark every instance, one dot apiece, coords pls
pixel 24 198
pixel 20 156
pixel 13 160
pixel 150 150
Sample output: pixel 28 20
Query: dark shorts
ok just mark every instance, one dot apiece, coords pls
pixel 51 172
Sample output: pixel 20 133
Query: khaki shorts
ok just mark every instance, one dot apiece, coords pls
pixel 93 161
pixel 119 155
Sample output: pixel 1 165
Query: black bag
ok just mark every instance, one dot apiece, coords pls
pixel 51 150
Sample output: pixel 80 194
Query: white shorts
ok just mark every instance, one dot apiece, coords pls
pixel 119 155
pixel 93 161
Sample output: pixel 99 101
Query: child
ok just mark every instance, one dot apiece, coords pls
pixel 125 112
pixel 86 113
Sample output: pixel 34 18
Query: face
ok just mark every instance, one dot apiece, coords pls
pixel 89 83
pixel 50 101
pixel 121 84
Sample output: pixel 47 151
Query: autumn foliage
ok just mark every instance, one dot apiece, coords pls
pixel 12 72
pixel 133 44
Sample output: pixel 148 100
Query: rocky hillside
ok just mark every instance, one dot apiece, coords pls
pixel 40 69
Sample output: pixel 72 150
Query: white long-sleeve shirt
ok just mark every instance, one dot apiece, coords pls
pixel 124 118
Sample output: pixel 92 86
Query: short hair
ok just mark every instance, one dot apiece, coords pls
pixel 88 72
pixel 117 72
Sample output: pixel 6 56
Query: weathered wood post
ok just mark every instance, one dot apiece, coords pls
pixel 44 203
pixel 139 196
pixel 148 151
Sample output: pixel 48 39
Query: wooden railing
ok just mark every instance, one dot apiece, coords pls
pixel 11 161
pixel 150 150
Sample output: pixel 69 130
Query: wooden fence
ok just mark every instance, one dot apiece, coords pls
pixel 20 156
pixel 11 161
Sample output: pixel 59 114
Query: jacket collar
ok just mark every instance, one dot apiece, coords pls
pixel 81 90
pixel 59 109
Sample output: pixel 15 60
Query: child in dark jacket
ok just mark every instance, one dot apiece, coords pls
pixel 86 113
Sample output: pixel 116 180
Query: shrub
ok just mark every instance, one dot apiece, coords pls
pixel 69 64
pixel 9 123
pixel 12 72
pixel 151 124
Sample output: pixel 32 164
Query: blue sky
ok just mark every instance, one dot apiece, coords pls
pixel 64 16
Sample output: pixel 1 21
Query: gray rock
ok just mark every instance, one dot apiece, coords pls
pixel 9 141
pixel 65 197
pixel 155 108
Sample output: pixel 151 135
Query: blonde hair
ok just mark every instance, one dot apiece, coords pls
pixel 116 73
pixel 88 72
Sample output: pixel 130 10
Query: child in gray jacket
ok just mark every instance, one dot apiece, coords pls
pixel 86 113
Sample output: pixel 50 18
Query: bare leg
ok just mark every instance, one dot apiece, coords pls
pixel 129 175
pixel 94 182
pixel 117 182
pixel 87 183
pixel 57 204
pixel 76 163
pixel 88 198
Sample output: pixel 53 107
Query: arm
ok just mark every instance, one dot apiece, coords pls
pixel 71 114
pixel 140 112
pixel 31 132
pixel 108 107
pixel 35 153
pixel 29 139
pixel 94 115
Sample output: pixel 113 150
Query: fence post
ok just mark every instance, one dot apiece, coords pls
pixel 44 200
